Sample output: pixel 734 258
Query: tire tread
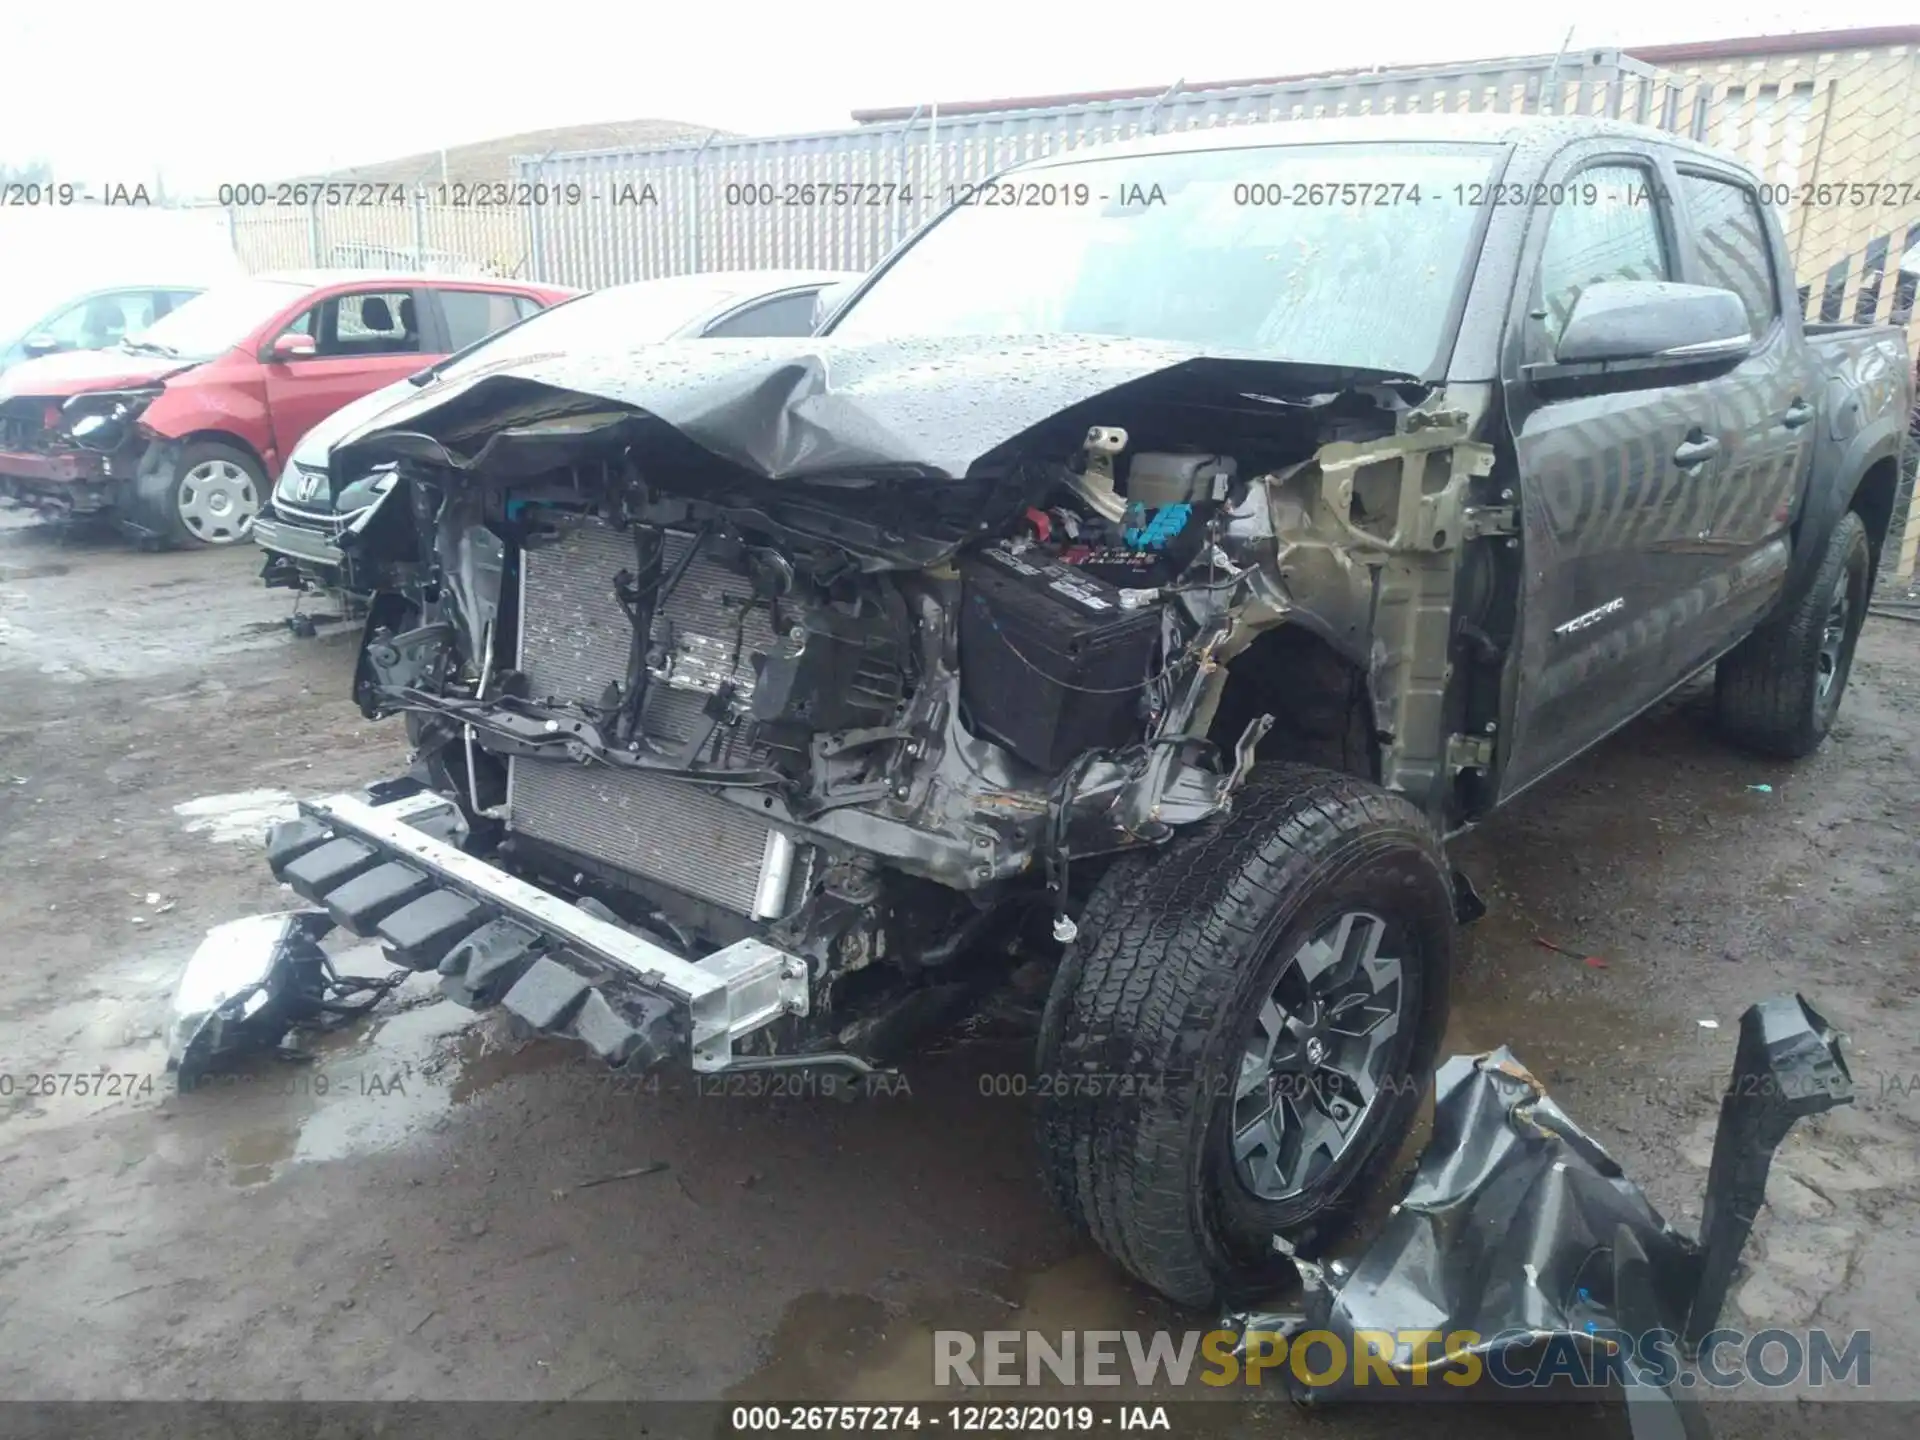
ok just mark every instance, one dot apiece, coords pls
pixel 1764 689
pixel 1162 946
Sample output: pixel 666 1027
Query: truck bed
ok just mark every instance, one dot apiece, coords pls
pixel 1870 359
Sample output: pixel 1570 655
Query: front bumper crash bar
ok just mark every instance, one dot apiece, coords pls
pixel 373 864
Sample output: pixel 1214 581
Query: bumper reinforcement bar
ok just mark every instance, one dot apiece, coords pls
pixel 381 870
pixel 299 541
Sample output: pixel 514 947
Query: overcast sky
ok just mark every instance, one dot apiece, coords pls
pixel 228 91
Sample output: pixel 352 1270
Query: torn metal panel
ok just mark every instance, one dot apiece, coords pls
pixel 1367 539
pixel 1520 1229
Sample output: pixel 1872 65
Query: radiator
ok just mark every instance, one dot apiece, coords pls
pixel 574 641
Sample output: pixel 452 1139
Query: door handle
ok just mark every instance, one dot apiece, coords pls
pixel 1694 452
pixel 1798 414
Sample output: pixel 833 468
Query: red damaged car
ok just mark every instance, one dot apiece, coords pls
pixel 177 429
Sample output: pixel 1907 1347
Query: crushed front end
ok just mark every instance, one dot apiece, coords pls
pixel 749 739
pixel 71 455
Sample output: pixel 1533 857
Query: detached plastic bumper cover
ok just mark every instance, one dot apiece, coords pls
pixel 381 870
pixel 235 988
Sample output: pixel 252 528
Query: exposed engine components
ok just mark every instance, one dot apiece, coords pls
pixel 1094 480
pixel 1052 664
pixel 1156 479
pixel 833 670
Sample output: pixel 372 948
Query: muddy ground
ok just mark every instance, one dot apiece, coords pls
pixel 408 1218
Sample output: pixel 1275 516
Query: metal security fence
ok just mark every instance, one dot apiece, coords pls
pixel 1897 558
pixel 405 233
pixel 841 199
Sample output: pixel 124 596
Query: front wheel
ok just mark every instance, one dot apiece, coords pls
pixel 211 495
pixel 1237 1043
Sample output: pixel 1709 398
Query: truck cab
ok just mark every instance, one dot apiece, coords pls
pixel 1149 567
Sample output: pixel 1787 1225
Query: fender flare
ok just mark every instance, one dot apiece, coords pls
pixel 1838 470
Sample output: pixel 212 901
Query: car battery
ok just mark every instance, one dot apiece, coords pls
pixel 1050 662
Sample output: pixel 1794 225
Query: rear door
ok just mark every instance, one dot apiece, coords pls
pixel 1610 484
pixel 1766 404
pixel 364 339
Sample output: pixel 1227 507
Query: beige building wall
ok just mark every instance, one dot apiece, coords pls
pixel 1836 134
pixel 1834 131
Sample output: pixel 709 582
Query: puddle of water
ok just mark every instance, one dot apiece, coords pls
pixel 373 1086
pixel 855 1347
pixel 395 1084
pixel 482 1066
pixel 255 1156
pixel 241 818
pixel 376 1084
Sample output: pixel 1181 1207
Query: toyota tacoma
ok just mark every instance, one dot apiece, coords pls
pixel 1148 568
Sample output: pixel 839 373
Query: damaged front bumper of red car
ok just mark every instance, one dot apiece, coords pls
pixel 76 457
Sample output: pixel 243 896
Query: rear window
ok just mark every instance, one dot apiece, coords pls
pixel 475 314
pixel 782 315
pixel 1732 238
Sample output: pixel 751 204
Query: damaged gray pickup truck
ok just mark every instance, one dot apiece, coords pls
pixel 1151 564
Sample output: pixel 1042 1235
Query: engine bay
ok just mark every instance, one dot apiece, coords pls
pixel 871 715
pixel 652 632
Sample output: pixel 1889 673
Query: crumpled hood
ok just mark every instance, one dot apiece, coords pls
pixel 80 372
pixel 816 406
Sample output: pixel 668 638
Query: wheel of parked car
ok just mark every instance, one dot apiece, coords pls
pixel 1780 688
pixel 212 496
pixel 1237 1041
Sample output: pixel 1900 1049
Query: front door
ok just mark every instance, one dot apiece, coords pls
pixel 363 340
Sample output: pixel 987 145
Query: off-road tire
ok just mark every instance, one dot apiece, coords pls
pixel 1766 692
pixel 1176 951
pixel 155 503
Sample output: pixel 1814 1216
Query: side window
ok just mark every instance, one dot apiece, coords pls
pixel 782 315
pixel 1605 229
pixel 475 314
pixel 525 305
pixel 372 322
pixel 1734 252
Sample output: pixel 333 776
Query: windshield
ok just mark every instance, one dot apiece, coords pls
pixel 220 319
pixel 1347 255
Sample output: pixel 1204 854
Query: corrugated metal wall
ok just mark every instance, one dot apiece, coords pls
pixel 843 198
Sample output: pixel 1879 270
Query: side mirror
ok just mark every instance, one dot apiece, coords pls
pixel 40 343
pixel 292 346
pixel 1633 324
